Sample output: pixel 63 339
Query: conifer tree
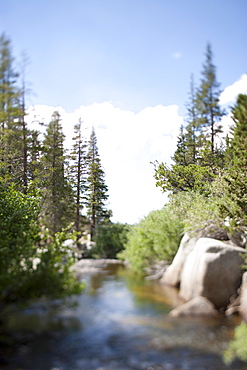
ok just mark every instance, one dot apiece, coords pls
pixel 207 100
pixel 236 190
pixel 10 115
pixel 193 135
pixel 97 189
pixel 25 133
pixel 77 169
pixel 57 194
pixel 197 159
pixel 34 152
pixel 189 140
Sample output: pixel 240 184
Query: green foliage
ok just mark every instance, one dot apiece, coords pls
pixel 110 240
pixel 11 132
pixel 96 190
pixel 200 210
pixel 77 174
pixel 51 276
pixel 28 271
pixel 237 347
pixel 198 157
pixel 207 100
pixel 155 238
pixel 235 207
pixel 183 178
pixel 57 196
pixel 18 235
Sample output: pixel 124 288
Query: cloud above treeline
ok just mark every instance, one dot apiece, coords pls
pixel 229 95
pixel 128 142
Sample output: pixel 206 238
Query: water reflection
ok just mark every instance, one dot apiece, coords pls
pixel 119 323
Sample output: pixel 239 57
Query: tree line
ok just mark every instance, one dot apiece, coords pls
pixel 71 186
pixel 204 158
pixel 47 193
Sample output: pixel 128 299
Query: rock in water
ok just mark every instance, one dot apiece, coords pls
pixel 172 275
pixel 243 297
pixel 199 306
pixel 212 270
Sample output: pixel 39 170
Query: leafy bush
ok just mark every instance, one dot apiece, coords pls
pixel 51 275
pixel 200 210
pixel 155 238
pixel 27 271
pixel 110 240
pixel 18 236
pixel 183 178
pixel 237 347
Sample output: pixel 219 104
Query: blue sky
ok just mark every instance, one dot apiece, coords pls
pixel 135 53
pixel 109 61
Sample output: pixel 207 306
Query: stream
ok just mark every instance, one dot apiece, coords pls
pixel 120 322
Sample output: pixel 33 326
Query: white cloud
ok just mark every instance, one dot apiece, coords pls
pixel 127 143
pixel 231 92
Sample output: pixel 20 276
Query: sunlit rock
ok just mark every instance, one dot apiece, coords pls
pixel 172 275
pixel 212 270
pixel 199 306
pixel 243 297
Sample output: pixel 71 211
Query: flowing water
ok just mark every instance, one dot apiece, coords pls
pixel 120 322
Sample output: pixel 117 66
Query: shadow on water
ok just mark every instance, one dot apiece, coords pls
pixel 120 322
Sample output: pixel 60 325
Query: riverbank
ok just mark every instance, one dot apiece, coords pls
pixel 93 266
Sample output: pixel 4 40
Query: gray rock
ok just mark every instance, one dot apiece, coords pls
pixel 212 270
pixel 199 306
pixel 172 275
pixel 243 297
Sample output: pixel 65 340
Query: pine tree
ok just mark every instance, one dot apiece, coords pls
pixel 180 155
pixel 77 169
pixel 34 152
pixel 193 135
pixel 236 179
pixel 189 170
pixel 10 116
pixel 207 100
pixel 189 140
pixel 25 133
pixel 97 189
pixel 57 194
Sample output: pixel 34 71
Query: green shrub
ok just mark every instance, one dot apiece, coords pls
pixel 26 270
pixel 237 347
pixel 110 240
pixel 155 238
pixel 18 236
pixel 198 210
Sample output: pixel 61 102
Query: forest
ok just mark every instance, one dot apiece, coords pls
pixel 49 194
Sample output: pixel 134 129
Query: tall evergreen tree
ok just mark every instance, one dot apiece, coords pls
pixel 34 152
pixel 97 189
pixel 189 140
pixel 236 173
pixel 194 134
pixel 78 170
pixel 25 133
pixel 10 115
pixel 207 100
pixel 56 192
